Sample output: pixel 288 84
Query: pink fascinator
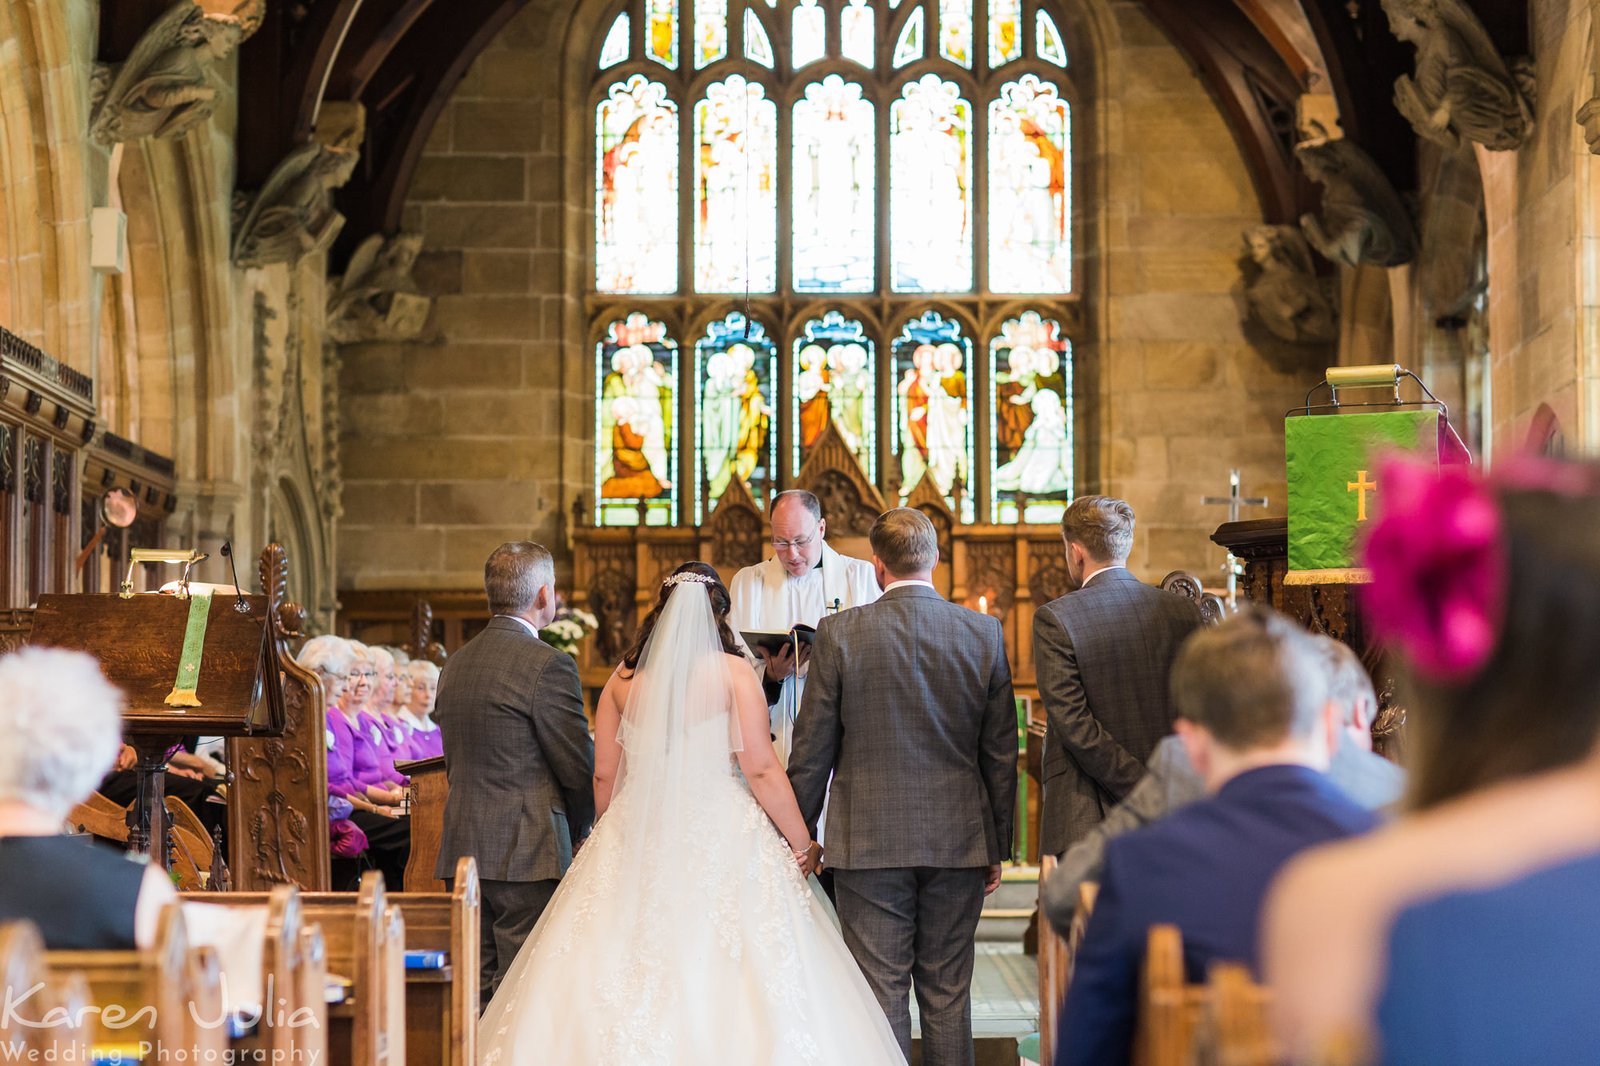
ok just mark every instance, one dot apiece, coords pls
pixel 1438 561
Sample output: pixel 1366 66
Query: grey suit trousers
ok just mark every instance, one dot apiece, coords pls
pixel 507 913
pixel 915 927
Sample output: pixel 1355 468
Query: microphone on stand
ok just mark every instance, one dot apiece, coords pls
pixel 239 604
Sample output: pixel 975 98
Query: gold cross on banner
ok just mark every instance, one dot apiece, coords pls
pixel 1361 485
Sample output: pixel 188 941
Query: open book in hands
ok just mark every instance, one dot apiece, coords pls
pixel 773 643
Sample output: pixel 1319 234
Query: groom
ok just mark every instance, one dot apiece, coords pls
pixel 517 754
pixel 908 704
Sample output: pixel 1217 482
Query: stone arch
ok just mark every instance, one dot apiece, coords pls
pixel 43 167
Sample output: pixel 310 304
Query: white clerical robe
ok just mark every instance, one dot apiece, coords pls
pixel 766 598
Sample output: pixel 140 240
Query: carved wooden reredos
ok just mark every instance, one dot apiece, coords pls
pixel 1008 569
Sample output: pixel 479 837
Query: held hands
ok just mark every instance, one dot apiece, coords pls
pixel 809 859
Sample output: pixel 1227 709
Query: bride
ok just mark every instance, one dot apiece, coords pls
pixel 685 931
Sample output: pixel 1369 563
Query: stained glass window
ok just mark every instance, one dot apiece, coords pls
pixel 1005 31
pixel 710 32
pixel 736 191
pixel 1030 204
pixel 938 370
pixel 618 43
pixel 835 199
pixel 636 390
pixel 1048 42
pixel 908 49
pixel 809 42
pixel 955 31
pixel 661 40
pixel 835 383
pixel 735 369
pixel 1030 420
pixel 933 408
pixel 636 189
pixel 757 45
pixel 856 35
pixel 930 188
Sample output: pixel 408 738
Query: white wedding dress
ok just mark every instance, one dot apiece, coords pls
pixel 683 933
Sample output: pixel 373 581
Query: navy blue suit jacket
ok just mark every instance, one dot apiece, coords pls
pixel 1205 869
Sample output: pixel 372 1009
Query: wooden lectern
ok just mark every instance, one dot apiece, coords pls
pixel 429 790
pixel 139 643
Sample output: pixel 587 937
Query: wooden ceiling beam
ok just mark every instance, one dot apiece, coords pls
pixel 322 37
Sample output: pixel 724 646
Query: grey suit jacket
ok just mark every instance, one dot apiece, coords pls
pixel 517 754
pixel 1102 655
pixel 908 704
pixel 1370 780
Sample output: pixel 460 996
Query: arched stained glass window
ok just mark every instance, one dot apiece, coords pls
pixel 1030 203
pixel 735 368
pixel 835 384
pixel 636 195
pixel 933 408
pixel 834 188
pixel 636 455
pixel 863 198
pixel 1030 420
pixel 736 190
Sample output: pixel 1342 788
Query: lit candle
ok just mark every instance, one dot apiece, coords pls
pixel 983 605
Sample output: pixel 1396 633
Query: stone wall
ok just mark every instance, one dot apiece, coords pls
pixel 454 445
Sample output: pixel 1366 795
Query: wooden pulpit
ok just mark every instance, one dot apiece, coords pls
pixel 429 790
pixel 139 642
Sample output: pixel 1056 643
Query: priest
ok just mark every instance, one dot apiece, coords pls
pixel 805 580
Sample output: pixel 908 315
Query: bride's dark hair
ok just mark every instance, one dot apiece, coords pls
pixel 721 603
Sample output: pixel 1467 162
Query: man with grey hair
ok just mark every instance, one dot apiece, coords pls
pixel 804 580
pixel 1173 782
pixel 1102 654
pixel 909 705
pixel 518 756
pixel 1258 726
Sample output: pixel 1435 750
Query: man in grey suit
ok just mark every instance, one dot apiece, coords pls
pixel 1102 654
pixel 908 705
pixel 1172 781
pixel 518 756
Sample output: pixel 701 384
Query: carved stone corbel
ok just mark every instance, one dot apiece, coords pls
pixel 1462 90
pixel 1363 219
pixel 377 299
pixel 1589 114
pixel 169 84
pixel 1282 291
pixel 293 214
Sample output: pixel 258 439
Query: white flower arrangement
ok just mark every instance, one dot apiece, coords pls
pixel 568 629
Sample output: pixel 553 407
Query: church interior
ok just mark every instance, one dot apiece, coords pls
pixel 316 302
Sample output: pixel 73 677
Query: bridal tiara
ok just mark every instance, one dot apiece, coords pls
pixel 688 575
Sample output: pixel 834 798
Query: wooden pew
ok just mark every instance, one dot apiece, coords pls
pixel 1233 1028
pixel 1169 1009
pixel 193 860
pixel 442 1005
pixel 163 1004
pixel 1056 956
pixel 289 987
pixel 46 1024
pixel 362 941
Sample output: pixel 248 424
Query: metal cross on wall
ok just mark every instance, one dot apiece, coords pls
pixel 1234 500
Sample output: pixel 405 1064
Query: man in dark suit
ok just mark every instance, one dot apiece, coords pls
pixel 908 705
pixel 1257 724
pixel 518 756
pixel 1102 654
pixel 1173 782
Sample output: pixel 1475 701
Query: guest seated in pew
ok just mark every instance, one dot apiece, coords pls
pixel 1171 780
pixel 1465 933
pixel 61 720
pixel 191 778
pixel 371 831
pixel 374 758
pixel 1257 723
pixel 426 740
pixel 388 696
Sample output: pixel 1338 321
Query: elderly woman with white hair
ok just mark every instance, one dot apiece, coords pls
pixel 62 721
pixel 426 742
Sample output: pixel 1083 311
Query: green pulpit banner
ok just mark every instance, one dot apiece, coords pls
pixel 1333 481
